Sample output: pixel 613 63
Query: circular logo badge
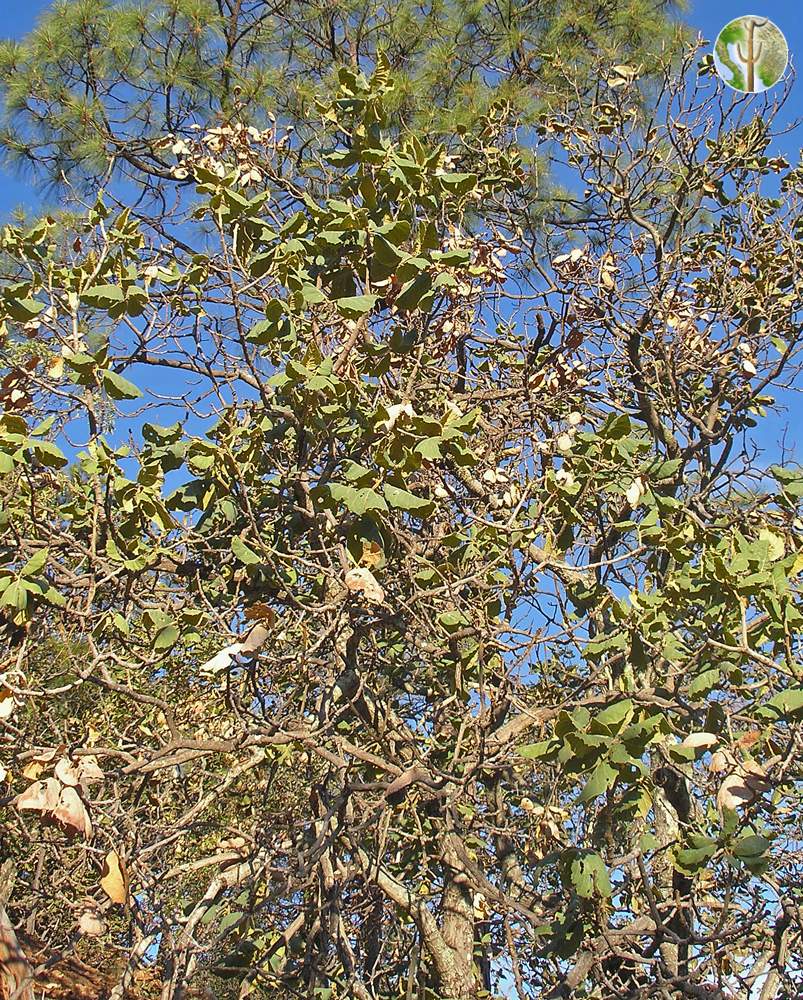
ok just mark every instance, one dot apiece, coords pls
pixel 750 54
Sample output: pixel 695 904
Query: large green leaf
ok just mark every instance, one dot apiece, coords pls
pixel 403 500
pixel 358 500
pixel 119 387
pixel 102 296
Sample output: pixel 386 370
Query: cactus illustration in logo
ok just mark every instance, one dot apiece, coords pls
pixel 751 54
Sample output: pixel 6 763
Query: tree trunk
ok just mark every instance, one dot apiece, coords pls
pixel 16 973
pixel 457 970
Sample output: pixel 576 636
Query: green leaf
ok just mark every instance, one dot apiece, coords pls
pixel 589 876
pixel 704 683
pixel 166 637
pixel 535 751
pixel 356 473
pixel 412 292
pixel 49 454
pixel 692 859
pixel 785 703
pixel 403 500
pixel 357 499
pixel 35 563
pixel 355 306
pixel 245 554
pixel 602 778
pixel 15 595
pixel 616 427
pixel 452 620
pixel 52 596
pixel 81 362
pixel 614 716
pixel 429 448
pixel 119 387
pixel 23 310
pixel 102 296
pixel 751 846
pixel 452 258
pixel 663 470
pixel 312 295
pixel 395 232
pixel 458 183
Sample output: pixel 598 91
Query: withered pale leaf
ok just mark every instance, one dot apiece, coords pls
pixel 90 920
pixel 255 638
pixel 395 412
pixel 697 741
pixel 71 813
pixel 67 772
pixel 90 771
pixel 7 703
pixel 635 492
pixel 363 581
pixel 41 796
pixel 721 760
pixel 55 368
pixel 734 793
pixel 222 660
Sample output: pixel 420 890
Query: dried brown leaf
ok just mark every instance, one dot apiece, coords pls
pixel 113 880
pixel 260 612
pixel 372 555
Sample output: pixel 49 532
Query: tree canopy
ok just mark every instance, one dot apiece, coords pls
pixel 392 609
pixel 91 93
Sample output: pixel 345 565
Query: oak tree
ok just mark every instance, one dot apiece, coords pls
pixel 392 608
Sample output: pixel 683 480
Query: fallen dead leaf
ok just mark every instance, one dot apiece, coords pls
pixel 90 771
pixel 67 772
pixel 33 769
